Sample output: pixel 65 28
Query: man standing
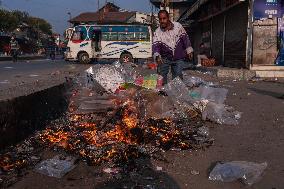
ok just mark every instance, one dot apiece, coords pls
pixel 14 48
pixel 203 54
pixel 171 45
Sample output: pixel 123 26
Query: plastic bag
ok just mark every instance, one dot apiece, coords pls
pixel 191 81
pixel 153 105
pixel 248 172
pixel 152 81
pixel 108 76
pixel 217 95
pixel 221 114
pixel 177 89
pixel 56 167
pixel 126 70
pixel 203 131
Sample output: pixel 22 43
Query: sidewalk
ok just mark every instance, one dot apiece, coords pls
pixel 226 72
pixel 23 57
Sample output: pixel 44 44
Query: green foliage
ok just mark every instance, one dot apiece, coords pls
pixel 10 20
pixel 41 24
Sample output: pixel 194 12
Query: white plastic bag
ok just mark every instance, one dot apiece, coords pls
pixel 56 167
pixel 191 81
pixel 176 89
pixel 221 114
pixel 107 76
pixel 217 95
pixel 248 172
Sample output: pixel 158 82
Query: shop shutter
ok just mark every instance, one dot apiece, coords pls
pixel 217 38
pixel 236 36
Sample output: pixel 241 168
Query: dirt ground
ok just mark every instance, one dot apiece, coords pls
pixel 258 138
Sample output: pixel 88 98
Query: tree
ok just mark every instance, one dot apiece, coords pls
pixel 40 24
pixel 22 17
pixel 9 21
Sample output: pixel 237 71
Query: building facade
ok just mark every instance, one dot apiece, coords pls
pixel 238 33
pixel 111 14
pixel 175 7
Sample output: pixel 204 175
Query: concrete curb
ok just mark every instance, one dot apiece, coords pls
pixel 234 73
pixel 22 116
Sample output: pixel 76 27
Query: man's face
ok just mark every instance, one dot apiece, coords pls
pixel 164 20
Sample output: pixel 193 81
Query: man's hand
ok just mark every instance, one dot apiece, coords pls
pixel 159 60
pixel 190 56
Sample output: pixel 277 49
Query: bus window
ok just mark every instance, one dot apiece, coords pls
pixel 126 36
pixel 80 34
pixel 142 36
pixel 109 36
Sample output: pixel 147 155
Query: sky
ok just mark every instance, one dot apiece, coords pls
pixel 55 11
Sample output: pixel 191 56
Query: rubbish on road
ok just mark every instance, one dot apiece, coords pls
pixel 191 81
pixel 123 134
pixel 248 172
pixel 5 82
pixel 58 72
pixel 152 66
pixel 127 70
pixel 217 95
pixel 221 114
pixel 56 167
pixel 201 105
pixel 153 81
pixel 177 90
pixel 159 168
pixel 153 105
pixel 203 131
pixel 34 75
pixel 194 172
pixel 111 170
pixel 107 76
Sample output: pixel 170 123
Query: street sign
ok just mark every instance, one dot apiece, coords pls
pixel 267 9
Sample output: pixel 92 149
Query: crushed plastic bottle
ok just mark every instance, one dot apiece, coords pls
pixel 248 172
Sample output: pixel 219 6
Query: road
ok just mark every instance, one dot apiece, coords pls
pixel 25 77
pixel 258 138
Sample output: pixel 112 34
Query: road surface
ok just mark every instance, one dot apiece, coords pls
pixel 259 137
pixel 25 77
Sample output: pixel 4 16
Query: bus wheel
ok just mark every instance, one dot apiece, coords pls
pixel 126 58
pixel 84 58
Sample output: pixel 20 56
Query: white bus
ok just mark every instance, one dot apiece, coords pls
pixel 124 42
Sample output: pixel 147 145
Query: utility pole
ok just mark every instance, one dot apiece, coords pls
pixel 70 17
pixel 98 5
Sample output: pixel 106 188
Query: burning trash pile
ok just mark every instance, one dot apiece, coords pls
pixel 117 114
pixel 114 118
pixel 117 131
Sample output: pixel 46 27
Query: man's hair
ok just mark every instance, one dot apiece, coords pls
pixel 164 12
